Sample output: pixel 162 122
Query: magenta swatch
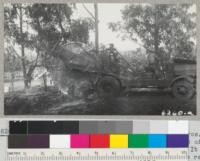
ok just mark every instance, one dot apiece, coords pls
pixel 80 141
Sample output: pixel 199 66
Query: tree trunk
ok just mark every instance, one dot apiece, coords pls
pixel 12 74
pixel 158 65
pixel 22 49
pixel 156 32
pixel 45 81
pixel 12 81
pixel 96 28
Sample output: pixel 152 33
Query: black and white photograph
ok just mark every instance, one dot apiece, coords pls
pixel 100 59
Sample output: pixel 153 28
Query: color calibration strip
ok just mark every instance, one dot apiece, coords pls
pixel 99 134
pixel 99 141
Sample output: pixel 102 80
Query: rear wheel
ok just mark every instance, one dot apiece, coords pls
pixel 108 86
pixel 183 89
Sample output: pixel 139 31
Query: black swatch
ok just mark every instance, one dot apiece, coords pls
pixel 18 127
pixel 51 127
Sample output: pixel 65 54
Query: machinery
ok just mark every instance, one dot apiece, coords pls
pixel 179 78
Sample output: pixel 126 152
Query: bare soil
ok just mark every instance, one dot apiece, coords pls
pixel 52 102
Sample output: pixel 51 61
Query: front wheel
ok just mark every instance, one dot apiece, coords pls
pixel 108 86
pixel 183 90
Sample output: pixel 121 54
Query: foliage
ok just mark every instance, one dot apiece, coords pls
pixel 165 30
pixel 47 20
pixel 18 39
pixel 80 30
pixel 13 63
pixel 33 30
pixel 54 23
pixel 12 27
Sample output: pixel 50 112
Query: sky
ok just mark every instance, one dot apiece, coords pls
pixel 110 12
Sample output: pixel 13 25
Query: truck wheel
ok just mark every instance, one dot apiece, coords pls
pixel 183 89
pixel 108 86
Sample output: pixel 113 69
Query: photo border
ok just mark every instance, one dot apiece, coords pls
pixel 97 117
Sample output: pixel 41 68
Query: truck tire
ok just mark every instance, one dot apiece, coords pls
pixel 183 89
pixel 108 86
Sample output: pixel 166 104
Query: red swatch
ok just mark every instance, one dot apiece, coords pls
pixel 99 141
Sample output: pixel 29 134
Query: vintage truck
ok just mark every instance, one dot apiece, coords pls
pixel 180 78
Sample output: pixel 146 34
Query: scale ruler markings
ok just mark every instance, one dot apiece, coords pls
pixel 98 155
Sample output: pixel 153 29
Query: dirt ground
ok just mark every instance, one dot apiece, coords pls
pixel 52 102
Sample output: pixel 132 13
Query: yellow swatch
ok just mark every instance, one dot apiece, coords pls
pixel 118 141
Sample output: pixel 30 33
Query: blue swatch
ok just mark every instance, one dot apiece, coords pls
pixel 157 141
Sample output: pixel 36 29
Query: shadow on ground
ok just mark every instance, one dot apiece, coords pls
pixel 52 102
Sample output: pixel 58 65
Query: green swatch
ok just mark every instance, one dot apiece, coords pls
pixel 138 141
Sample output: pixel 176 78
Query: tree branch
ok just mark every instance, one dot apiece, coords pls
pixel 88 11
